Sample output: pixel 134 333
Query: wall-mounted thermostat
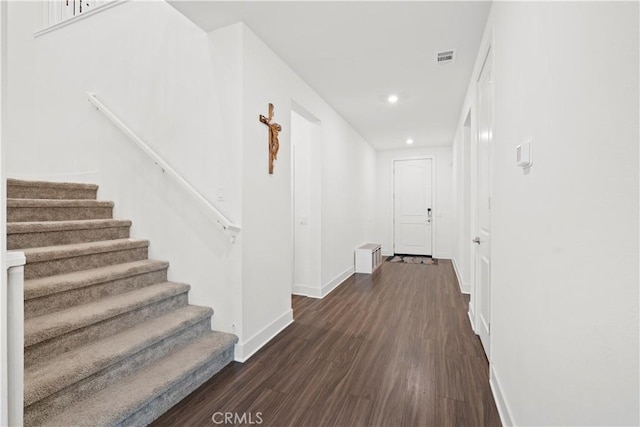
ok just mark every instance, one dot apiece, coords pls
pixel 523 155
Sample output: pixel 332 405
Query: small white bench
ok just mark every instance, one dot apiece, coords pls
pixel 368 258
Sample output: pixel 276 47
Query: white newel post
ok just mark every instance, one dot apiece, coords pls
pixel 15 337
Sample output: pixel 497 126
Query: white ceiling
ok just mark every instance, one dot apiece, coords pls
pixel 355 54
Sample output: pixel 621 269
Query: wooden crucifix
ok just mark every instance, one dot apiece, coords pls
pixel 274 145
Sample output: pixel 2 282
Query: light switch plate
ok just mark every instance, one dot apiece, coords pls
pixel 523 155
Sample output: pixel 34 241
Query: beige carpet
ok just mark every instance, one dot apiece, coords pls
pixel 108 339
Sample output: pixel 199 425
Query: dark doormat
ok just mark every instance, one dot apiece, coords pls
pixel 412 259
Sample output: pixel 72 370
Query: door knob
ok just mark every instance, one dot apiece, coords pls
pixel 476 240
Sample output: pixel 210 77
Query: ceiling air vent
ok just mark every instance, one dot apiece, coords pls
pixel 446 56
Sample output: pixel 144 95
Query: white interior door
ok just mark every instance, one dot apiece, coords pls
pixel 413 207
pixel 483 206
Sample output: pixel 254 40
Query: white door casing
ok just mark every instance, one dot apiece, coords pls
pixel 413 206
pixel 483 205
pixel 306 210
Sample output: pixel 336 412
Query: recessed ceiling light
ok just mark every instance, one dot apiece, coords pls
pixel 409 141
pixel 393 99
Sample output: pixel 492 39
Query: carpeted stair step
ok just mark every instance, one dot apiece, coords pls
pixel 53 260
pixel 107 339
pixel 56 333
pixel 138 399
pixel 58 382
pixel 21 235
pixel 21 189
pixel 54 293
pixel 28 210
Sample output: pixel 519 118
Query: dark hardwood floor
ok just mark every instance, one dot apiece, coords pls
pixel 395 349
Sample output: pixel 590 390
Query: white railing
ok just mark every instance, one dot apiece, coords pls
pixel 225 224
pixel 59 13
pixel 12 365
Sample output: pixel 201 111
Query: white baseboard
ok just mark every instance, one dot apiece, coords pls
pixel 311 292
pixel 501 402
pixel 387 253
pixel 337 281
pixel 243 351
pixel 465 288
pixel 472 316
pixel 307 291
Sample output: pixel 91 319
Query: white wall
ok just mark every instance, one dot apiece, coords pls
pixel 22 22
pixel 349 184
pixel 443 197
pixel 4 401
pixel 195 98
pixel 177 88
pixel 564 321
pixel 267 268
pixel 348 188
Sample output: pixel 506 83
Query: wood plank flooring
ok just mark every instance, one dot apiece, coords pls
pixel 392 349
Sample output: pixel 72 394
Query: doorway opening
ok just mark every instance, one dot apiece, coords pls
pixel 306 142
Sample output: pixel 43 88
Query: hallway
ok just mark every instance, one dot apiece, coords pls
pixel 392 349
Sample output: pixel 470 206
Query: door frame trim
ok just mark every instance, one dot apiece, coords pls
pixel 315 195
pixel 434 201
pixel 485 50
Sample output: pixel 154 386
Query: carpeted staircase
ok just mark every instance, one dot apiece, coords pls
pixel 108 340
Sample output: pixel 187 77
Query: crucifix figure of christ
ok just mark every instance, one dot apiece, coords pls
pixel 274 145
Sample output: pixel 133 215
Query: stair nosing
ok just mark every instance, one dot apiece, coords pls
pixel 112 307
pixel 95 357
pixel 111 329
pixel 28 227
pixel 155 383
pixel 58 203
pixel 50 285
pixel 51 184
pixel 49 253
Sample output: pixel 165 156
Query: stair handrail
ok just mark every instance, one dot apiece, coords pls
pixel 220 219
